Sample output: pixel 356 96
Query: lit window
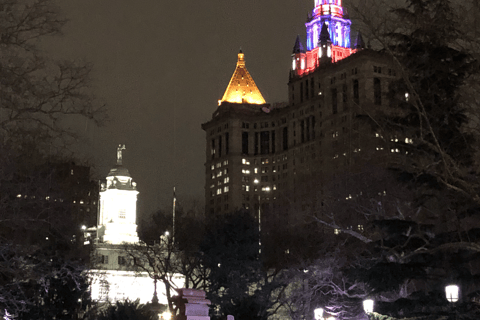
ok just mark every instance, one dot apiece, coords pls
pixel 225 162
pixel 219 165
pixel 256 170
pixel 360 227
pixel 293 64
pixel 212 167
pixel 255 181
pixel 303 64
pixel 274 187
pixel 225 189
pixel 336 231
pixel 329 51
pixel 226 180
pixel 219 191
pixel 247 188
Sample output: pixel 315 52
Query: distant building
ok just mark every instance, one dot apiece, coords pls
pixel 114 277
pixel 277 159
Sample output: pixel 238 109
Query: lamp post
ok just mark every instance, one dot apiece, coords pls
pixel 452 295
pixel 368 307
pixel 318 313
pixel 451 292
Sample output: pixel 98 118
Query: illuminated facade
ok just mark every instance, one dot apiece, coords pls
pixel 277 159
pixel 242 88
pixel 118 206
pixel 328 38
pixel 113 277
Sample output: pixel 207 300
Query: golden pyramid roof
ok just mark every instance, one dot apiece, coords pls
pixel 242 88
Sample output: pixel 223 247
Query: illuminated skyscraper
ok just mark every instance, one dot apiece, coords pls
pixel 276 160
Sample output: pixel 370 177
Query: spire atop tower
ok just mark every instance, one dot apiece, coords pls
pixel 242 88
pixel 298 47
pixel 359 43
pixel 241 58
pixel 324 35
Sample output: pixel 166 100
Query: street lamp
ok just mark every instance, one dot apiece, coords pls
pixel 318 313
pixel 451 292
pixel 368 306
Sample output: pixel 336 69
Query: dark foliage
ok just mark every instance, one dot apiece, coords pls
pixel 127 310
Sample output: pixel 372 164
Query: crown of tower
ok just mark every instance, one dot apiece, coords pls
pixel 328 38
pixel 242 88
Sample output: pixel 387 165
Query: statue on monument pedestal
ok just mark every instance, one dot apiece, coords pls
pixel 119 153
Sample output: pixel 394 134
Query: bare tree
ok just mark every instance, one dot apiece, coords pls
pixel 38 95
pixel 38 99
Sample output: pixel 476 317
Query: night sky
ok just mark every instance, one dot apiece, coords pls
pixel 160 67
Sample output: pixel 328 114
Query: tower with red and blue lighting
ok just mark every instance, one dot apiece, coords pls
pixel 328 38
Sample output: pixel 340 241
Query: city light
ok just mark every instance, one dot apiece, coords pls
pixel 368 306
pixel 451 292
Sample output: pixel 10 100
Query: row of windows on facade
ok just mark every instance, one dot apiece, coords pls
pixel 279 158
pixel 219 199
pixel 121 260
pixel 219 164
pixel 216 146
pixel 304 85
pixel 219 191
pixel 308 91
pixel 377 95
pixel 48 198
pixel 219 129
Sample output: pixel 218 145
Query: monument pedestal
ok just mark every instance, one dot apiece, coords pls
pixel 191 304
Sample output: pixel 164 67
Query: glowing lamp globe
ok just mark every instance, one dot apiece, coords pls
pixel 318 313
pixel 368 306
pixel 451 292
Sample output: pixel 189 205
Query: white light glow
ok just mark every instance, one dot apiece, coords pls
pixel 293 64
pixel 368 306
pixel 318 314
pixel 451 292
pixel 113 285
